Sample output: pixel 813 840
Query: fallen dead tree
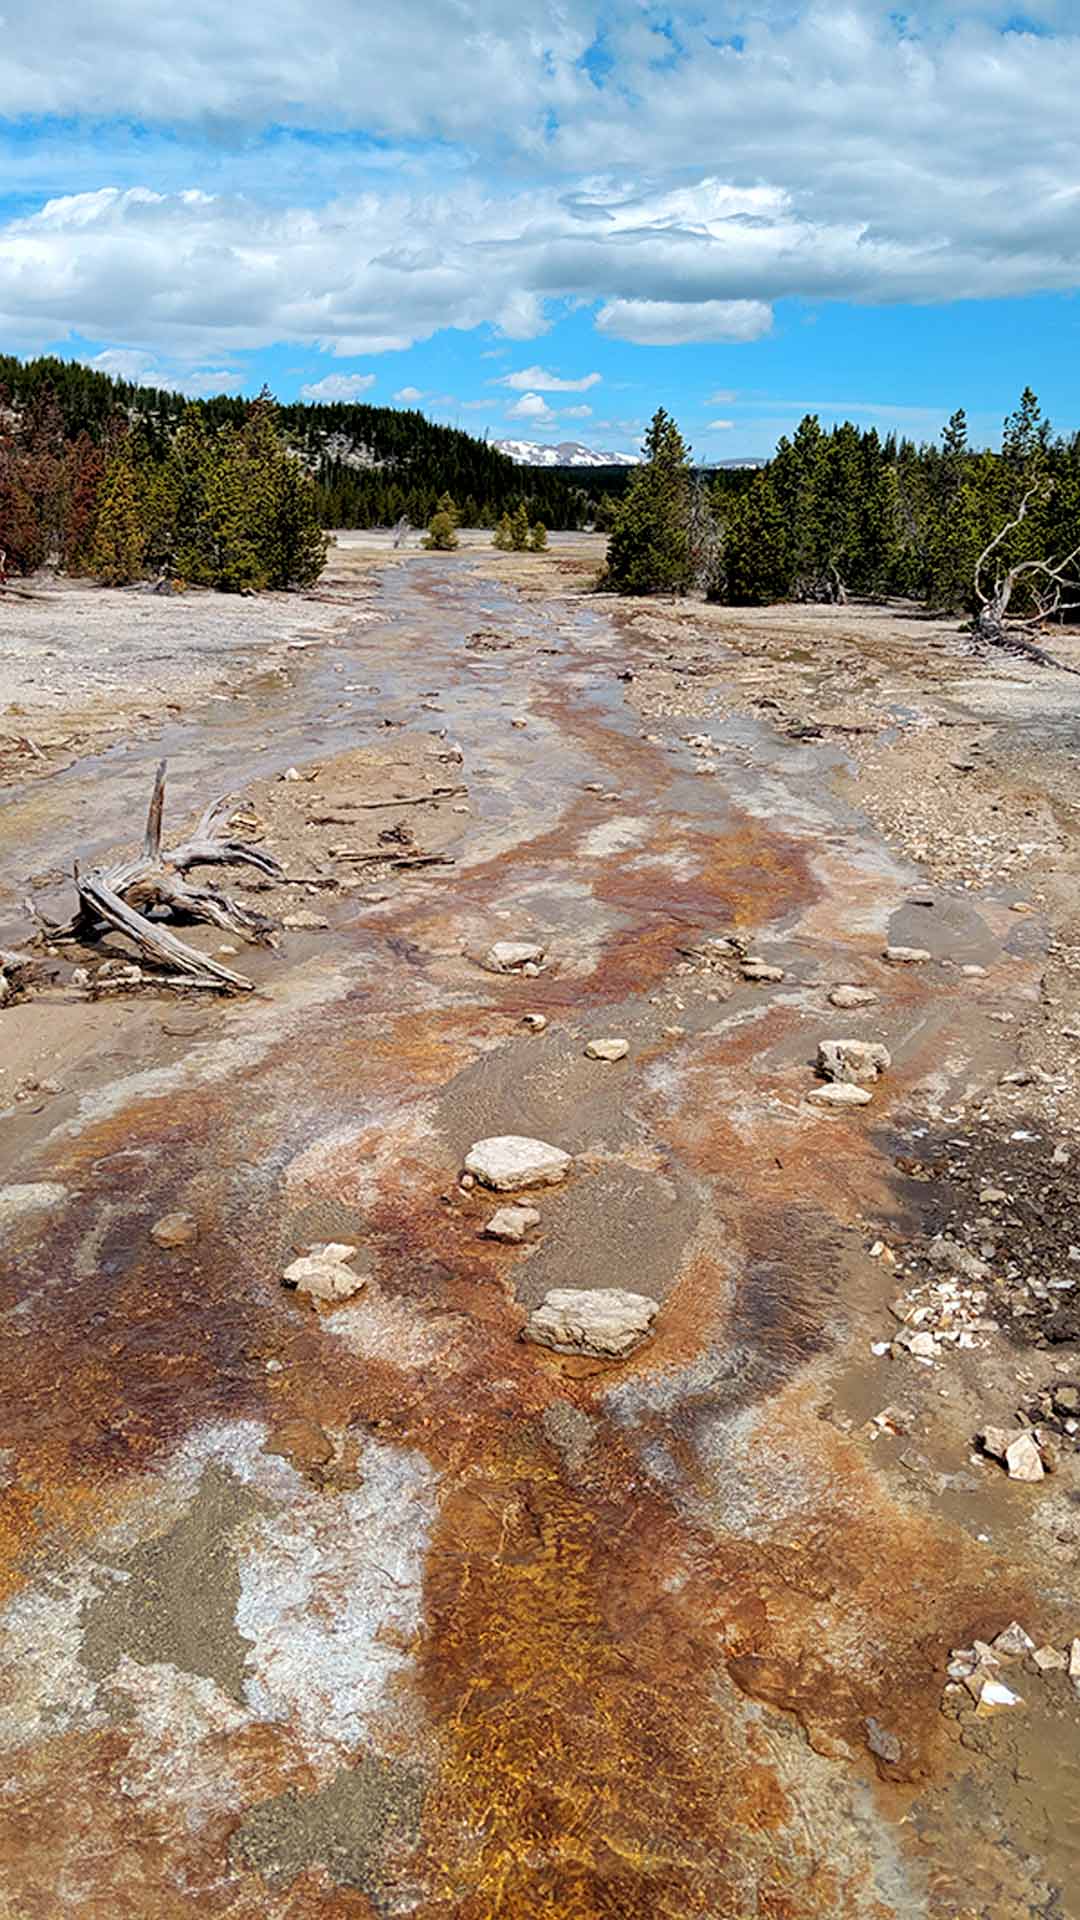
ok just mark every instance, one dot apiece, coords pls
pixel 135 896
pixel 1041 582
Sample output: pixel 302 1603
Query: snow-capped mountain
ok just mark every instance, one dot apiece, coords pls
pixel 568 453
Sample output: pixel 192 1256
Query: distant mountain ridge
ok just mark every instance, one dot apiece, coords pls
pixel 573 453
pixel 568 453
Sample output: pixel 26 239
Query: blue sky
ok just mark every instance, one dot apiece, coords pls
pixel 542 224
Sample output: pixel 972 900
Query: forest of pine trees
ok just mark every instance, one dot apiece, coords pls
pixel 226 506
pixel 843 512
pixel 370 466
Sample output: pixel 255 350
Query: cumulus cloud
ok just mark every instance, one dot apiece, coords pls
pixel 531 406
pixel 409 395
pixel 673 323
pixel 541 381
pixel 575 413
pixel 144 369
pixel 338 386
pixel 844 150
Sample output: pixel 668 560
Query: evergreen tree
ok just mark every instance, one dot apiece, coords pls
pixel 503 537
pixel 442 533
pixel 519 528
pixel 299 545
pixel 538 538
pixel 649 546
pixel 116 556
pixel 754 566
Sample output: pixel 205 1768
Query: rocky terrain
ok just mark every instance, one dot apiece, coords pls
pixel 565 1397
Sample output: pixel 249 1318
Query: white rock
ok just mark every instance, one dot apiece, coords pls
pixel 536 1022
pixel 850 997
pixel 324 1279
pixel 511 1160
pixel 923 1346
pixel 906 956
pixel 296 921
pixel 1074 1661
pixel 1023 1458
pixel 507 956
pixel 997 1440
pixel 511 1223
pixel 291 773
pixel 853 1061
pixel 839 1093
pixel 995 1694
pixel 606 1321
pixel 755 969
pixel 1012 1642
pixel 607 1049
pixel 1049 1660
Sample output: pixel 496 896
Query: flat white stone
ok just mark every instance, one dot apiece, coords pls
pixel 839 1093
pixel 511 1223
pixel 850 997
pixel 906 956
pixel 607 1049
pixel 511 1160
pixel 605 1321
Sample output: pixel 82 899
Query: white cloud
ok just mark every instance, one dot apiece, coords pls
pixel 723 397
pixel 674 323
pixel 575 413
pixel 720 426
pixel 540 381
pixel 144 369
pixel 408 395
pixel 531 406
pixel 833 164
pixel 338 386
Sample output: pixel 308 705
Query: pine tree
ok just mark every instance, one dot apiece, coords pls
pixel 299 546
pixel 755 558
pixel 116 557
pixel 441 535
pixel 503 537
pixel 538 538
pixel 519 528
pixel 239 512
pixel 649 547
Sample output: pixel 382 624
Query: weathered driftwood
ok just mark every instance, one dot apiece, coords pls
pixel 122 897
pixel 393 859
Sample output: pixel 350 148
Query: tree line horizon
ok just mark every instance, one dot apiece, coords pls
pixel 102 477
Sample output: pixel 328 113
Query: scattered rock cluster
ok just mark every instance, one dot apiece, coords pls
pixel 979 1670
pixel 605 1322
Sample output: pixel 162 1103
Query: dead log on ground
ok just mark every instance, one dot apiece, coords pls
pixel 122 898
